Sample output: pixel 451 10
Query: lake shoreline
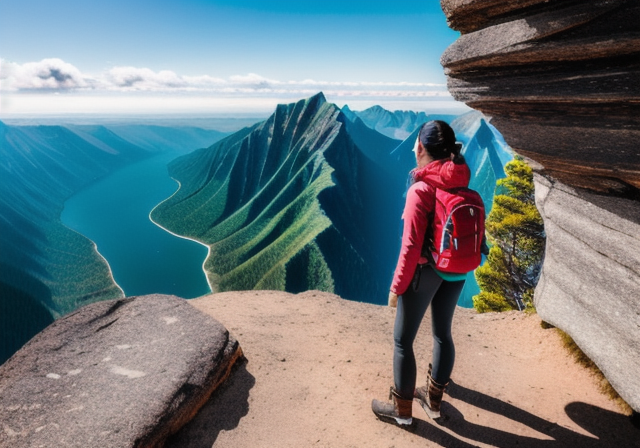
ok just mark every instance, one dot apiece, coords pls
pixel 143 257
pixel 206 276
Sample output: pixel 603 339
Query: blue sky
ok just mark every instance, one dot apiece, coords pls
pixel 217 56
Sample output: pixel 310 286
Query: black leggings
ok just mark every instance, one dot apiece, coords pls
pixel 427 287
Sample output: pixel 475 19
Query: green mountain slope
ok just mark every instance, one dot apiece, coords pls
pixel 279 205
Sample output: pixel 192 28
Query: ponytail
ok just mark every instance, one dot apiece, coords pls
pixel 456 156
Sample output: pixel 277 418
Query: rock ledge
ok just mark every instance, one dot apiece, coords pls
pixel 123 373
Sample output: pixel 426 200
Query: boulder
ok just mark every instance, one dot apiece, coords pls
pixel 120 373
pixel 559 80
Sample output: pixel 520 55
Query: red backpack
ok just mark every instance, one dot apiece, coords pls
pixel 458 230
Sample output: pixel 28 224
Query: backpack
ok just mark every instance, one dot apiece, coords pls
pixel 457 230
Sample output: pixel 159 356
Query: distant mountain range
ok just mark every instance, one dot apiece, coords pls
pixel 46 269
pixel 398 125
pixel 310 198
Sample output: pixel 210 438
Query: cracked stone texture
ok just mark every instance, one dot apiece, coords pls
pixel 122 373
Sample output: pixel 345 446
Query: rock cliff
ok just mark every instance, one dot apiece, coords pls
pixel 560 80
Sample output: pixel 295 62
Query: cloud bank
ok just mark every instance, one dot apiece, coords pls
pixel 57 75
pixel 55 85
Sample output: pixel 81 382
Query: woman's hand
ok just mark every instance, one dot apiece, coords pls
pixel 393 299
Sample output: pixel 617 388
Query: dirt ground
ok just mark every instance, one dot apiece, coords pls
pixel 315 362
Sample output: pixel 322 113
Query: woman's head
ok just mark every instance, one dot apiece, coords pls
pixel 438 140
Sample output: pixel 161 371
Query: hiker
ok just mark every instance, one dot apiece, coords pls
pixel 417 283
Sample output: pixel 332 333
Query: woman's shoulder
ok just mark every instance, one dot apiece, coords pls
pixel 422 192
pixel 421 187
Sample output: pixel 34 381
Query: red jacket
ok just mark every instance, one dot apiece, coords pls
pixel 419 206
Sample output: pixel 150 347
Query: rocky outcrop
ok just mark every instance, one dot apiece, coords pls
pixel 120 373
pixel 560 80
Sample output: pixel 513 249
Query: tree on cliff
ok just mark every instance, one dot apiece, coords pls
pixel 516 236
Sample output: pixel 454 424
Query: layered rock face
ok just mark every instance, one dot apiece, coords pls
pixel 560 79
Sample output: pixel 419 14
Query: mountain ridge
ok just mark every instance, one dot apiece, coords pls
pixel 309 198
pixel 398 124
pixel 279 199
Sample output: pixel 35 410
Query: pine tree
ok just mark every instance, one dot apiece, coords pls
pixel 516 235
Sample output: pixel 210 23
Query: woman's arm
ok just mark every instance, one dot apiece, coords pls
pixel 418 206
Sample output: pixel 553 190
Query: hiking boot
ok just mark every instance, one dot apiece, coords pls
pixel 398 411
pixel 430 396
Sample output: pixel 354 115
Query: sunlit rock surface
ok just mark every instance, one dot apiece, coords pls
pixel 560 81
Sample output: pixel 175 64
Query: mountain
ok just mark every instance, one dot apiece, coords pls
pixel 281 205
pixel 46 269
pixel 373 144
pixel 310 198
pixel 398 124
pixel 166 138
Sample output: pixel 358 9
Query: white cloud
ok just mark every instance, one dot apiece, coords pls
pixel 253 80
pixel 204 81
pixel 48 74
pixel 143 79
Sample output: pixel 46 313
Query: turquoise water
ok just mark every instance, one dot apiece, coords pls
pixel 144 258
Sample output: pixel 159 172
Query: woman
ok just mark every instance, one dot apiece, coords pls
pixel 416 283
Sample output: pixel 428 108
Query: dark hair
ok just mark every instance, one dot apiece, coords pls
pixel 439 140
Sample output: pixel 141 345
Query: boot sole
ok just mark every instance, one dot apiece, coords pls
pixel 430 413
pixel 402 422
